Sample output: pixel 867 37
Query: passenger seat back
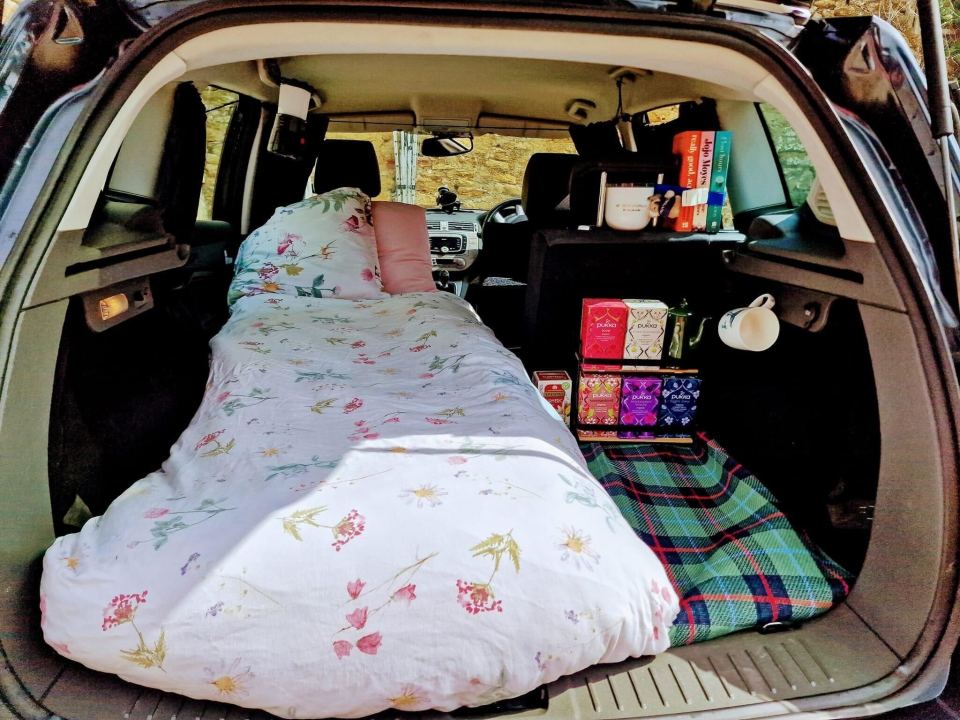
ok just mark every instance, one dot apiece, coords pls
pixel 506 247
pixel 347 163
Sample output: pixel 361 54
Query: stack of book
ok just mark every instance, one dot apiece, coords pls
pixel 704 157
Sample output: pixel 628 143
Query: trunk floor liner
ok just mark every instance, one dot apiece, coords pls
pixel 763 674
pixel 733 557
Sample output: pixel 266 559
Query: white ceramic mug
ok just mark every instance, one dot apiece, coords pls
pixel 627 207
pixel 753 328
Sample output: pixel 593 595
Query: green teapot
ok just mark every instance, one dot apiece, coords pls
pixel 684 333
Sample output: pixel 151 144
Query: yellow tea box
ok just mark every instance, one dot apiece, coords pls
pixel 646 325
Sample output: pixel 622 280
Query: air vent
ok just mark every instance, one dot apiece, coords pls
pixel 433 225
pixel 820 205
pixel 467 226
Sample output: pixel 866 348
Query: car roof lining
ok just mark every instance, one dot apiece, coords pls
pixel 691 59
pixel 467 87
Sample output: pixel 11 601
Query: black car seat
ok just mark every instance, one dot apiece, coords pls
pixel 347 163
pixel 504 260
pixel 546 182
pixel 141 407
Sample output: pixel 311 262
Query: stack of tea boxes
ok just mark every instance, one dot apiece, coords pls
pixel 623 392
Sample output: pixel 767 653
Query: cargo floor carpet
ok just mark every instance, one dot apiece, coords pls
pixel 732 555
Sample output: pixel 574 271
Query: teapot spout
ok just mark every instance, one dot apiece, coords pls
pixel 695 340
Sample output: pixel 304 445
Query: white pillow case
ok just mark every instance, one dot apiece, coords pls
pixel 321 247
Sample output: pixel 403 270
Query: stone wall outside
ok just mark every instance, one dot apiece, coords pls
pixel 493 172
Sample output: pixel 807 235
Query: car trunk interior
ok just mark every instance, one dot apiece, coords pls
pixel 832 419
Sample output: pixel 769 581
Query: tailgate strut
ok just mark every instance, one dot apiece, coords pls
pixel 941 113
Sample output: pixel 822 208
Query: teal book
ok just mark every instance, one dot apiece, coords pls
pixel 723 141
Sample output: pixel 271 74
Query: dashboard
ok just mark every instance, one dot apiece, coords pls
pixel 454 238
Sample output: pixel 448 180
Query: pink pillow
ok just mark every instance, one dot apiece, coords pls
pixel 403 247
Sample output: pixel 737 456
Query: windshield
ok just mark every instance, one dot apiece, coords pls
pixel 483 178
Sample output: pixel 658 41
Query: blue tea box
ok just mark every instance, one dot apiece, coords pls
pixel 678 402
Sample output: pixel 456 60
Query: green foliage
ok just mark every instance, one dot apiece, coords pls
pixel 147 657
pixel 496 546
pixel 798 172
pixel 950 12
pixel 220 107
pixel 302 517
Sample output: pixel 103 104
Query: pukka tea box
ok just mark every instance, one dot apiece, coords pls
pixel 603 327
pixel 556 387
pixel 598 399
pixel 678 402
pixel 639 403
pixel 592 435
pixel 646 325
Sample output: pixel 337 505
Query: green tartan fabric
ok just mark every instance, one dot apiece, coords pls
pixel 732 555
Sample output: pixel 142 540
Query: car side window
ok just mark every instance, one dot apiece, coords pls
pixel 220 105
pixel 795 166
pixel 9 7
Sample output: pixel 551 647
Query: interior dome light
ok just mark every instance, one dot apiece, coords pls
pixel 114 305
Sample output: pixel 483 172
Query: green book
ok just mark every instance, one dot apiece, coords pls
pixel 723 141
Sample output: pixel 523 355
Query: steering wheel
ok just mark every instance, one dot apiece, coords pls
pixel 508 212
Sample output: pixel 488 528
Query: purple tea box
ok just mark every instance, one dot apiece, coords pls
pixel 639 402
pixel 678 406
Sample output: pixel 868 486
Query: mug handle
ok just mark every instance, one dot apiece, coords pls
pixel 764 301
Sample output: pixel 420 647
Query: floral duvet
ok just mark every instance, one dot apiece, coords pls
pixel 372 508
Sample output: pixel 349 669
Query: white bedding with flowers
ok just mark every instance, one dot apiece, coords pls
pixel 372 508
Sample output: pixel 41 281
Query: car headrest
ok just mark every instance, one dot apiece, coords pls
pixel 347 163
pixel 546 183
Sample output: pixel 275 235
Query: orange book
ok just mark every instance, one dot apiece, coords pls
pixel 686 146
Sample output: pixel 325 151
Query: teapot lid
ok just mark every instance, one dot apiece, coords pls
pixel 683 309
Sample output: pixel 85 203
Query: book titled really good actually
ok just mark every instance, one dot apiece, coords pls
pixel 704 164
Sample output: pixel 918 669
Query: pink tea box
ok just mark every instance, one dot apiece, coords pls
pixel 556 387
pixel 603 328
pixel 598 400
pixel 646 325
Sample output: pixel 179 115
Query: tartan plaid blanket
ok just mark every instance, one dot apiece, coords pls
pixel 732 555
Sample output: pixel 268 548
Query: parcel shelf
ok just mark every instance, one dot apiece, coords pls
pixel 580 235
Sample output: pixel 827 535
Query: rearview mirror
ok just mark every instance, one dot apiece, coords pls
pixel 446 145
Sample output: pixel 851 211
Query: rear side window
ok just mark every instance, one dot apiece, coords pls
pixel 9 7
pixel 491 173
pixel 795 165
pixel 219 104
